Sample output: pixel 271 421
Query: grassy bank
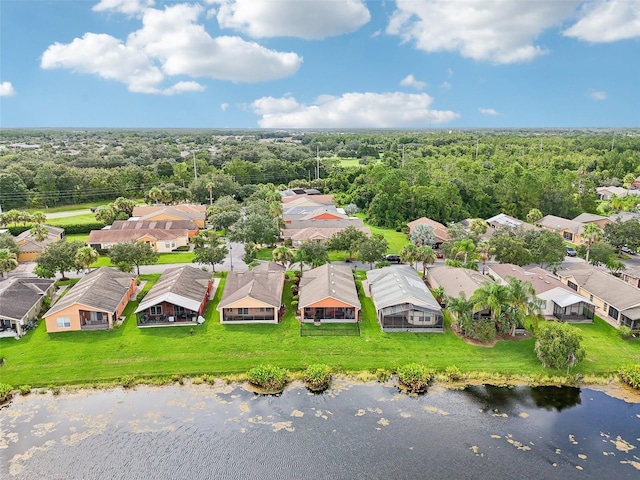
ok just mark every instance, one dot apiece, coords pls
pixel 40 359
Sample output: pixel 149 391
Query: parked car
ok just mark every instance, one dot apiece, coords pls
pixel 571 252
pixel 393 258
pixel 628 251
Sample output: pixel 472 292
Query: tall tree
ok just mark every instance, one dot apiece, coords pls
pixel 427 256
pixel 85 257
pixel 59 257
pixel 283 255
pixel 559 345
pixel 346 240
pixel 8 261
pixel 371 249
pixel 409 254
pixel 312 253
pixel 132 253
pixel 422 234
pixel 39 232
pixel 7 241
pixel 591 233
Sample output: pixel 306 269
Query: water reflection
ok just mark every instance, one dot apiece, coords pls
pixel 351 432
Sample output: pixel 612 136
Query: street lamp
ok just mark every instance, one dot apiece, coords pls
pixel 231 255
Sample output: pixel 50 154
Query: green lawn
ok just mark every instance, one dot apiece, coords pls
pixel 77 237
pixel 163 259
pixel 40 359
pixel 75 220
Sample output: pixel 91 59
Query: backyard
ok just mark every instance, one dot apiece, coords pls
pixel 41 359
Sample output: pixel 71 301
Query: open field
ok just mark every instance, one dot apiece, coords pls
pixel 75 220
pixel 40 359
pixel 163 259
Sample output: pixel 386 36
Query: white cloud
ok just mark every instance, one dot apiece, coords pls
pixel 128 7
pixel 170 42
pixel 411 81
pixel 351 110
pixel 309 19
pixel 607 21
pixel 488 111
pixel 596 95
pixel 181 87
pixel 446 85
pixel 6 89
pixel 498 31
pixel 224 106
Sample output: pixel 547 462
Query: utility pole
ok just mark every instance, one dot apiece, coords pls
pixel 195 169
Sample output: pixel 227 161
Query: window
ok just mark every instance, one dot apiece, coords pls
pixel 591 298
pixel 167 244
pixel 572 285
pixel 568 236
pixel 155 310
pixel 264 309
pixel 243 311
pixel 613 312
pixel 63 322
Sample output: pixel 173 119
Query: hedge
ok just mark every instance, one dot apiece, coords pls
pixel 81 228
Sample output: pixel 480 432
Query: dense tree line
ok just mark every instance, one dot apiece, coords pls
pixel 400 175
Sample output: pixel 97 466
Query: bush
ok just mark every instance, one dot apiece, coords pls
pixel 317 377
pixel 452 373
pixel 5 392
pixel 558 346
pixel 630 374
pixel 483 330
pixel 24 389
pixel 625 332
pixel 415 377
pixel 55 390
pixel 128 381
pixel 268 377
pixel 383 375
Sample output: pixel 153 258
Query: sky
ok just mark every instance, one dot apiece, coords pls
pixel 309 64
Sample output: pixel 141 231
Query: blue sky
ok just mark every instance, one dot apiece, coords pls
pixel 319 63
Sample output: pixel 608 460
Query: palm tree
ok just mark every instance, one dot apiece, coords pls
pixel 427 256
pixel 591 233
pixel 484 251
pixel 465 247
pixel 209 186
pixel 8 261
pixel 492 296
pixel 523 302
pixel 85 257
pixel 155 194
pixel 461 307
pixel 283 255
pixel 39 232
pixel 409 254
pixel 38 217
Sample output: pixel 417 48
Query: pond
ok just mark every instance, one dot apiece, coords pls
pixel 363 431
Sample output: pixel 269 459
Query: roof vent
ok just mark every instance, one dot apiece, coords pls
pixel 333 291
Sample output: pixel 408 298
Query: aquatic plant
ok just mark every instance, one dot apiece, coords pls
pixel 452 373
pixel 128 381
pixel 5 392
pixel 415 377
pixel 268 377
pixel 317 377
pixel 630 374
pixel 24 389
pixel 383 375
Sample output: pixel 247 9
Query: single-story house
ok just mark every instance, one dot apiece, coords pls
pixel 599 220
pixel 439 230
pixel 179 297
pixel 402 300
pixel 290 200
pixel 616 301
pixel 21 299
pixel 560 301
pixel 632 276
pixel 328 294
pixel 160 240
pixel 253 296
pixel 187 211
pixel 300 236
pixel 30 247
pixel 455 281
pixel 605 193
pixel 299 212
pixel 96 302
pixel 625 216
pixel 504 220
pixel 189 225
pixel 569 229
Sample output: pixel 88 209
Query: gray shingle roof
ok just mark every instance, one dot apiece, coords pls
pixel 603 285
pixel 341 223
pixel 103 289
pixel 119 236
pixel 589 217
pixel 456 280
pixel 184 286
pixel 262 284
pixel 397 285
pixel 28 243
pixel 18 295
pixel 559 223
pixel 328 281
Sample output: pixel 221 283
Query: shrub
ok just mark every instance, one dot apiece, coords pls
pixel 383 375
pixel 55 390
pixel 452 373
pixel 5 392
pixel 24 389
pixel 483 330
pixel 294 305
pixel 559 345
pixel 269 377
pixel 630 374
pixel 197 381
pixel 317 377
pixel 625 332
pixel 128 381
pixel 415 377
